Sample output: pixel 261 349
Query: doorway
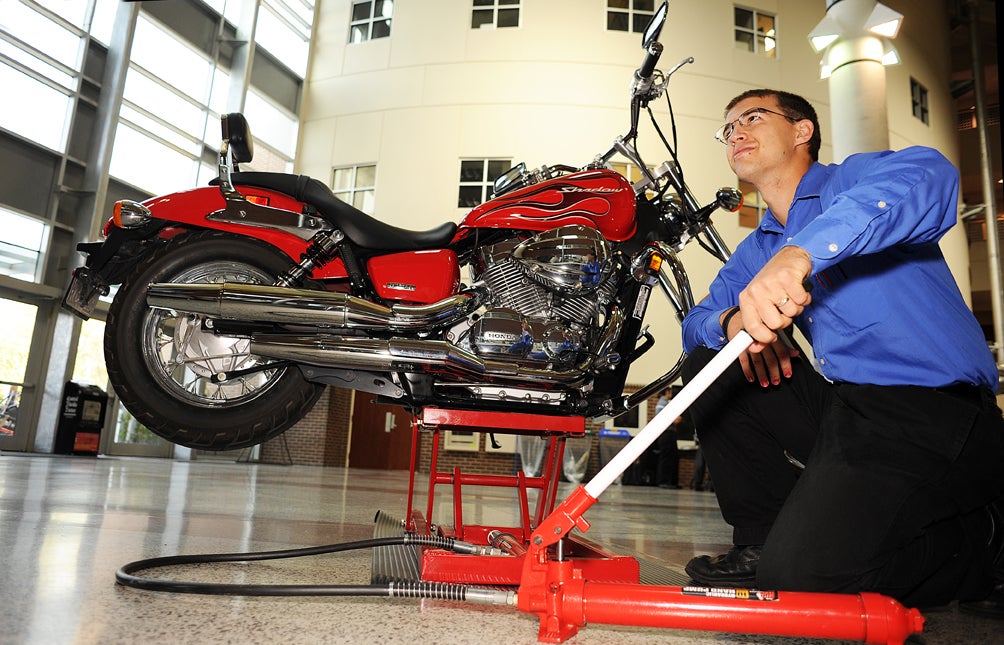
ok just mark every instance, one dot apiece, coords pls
pixel 381 435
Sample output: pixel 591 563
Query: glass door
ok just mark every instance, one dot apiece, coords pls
pixel 15 341
pixel 123 434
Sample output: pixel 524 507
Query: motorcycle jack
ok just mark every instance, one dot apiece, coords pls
pixel 568 582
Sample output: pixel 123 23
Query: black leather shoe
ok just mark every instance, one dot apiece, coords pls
pixel 737 568
pixel 993 605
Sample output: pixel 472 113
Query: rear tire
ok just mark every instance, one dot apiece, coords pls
pixel 160 362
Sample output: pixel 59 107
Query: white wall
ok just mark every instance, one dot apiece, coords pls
pixel 555 91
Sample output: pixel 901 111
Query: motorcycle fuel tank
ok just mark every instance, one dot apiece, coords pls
pixel 600 199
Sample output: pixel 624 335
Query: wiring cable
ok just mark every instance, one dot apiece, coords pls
pixel 398 589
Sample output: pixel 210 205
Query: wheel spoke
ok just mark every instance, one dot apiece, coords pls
pixel 188 355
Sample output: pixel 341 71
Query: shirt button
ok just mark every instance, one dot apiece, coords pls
pixel 833 248
pixel 881 204
pixel 822 361
pixel 810 320
pixel 789 239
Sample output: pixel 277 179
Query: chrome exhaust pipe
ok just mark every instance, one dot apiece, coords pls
pixel 406 355
pixel 263 303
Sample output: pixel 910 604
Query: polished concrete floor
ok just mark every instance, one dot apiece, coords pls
pixel 68 523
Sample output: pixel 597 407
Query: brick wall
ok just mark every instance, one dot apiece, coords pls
pixel 320 438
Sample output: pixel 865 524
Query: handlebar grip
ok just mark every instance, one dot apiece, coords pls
pixel 651 60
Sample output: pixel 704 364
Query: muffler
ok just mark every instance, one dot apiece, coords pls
pixel 407 355
pixel 263 303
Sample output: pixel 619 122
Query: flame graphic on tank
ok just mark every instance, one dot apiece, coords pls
pixel 601 199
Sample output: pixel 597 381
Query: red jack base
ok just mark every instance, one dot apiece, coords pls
pixel 867 617
pixel 557 592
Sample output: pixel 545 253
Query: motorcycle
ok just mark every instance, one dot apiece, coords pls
pixel 240 301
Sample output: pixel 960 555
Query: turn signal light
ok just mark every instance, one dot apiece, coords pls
pixel 129 214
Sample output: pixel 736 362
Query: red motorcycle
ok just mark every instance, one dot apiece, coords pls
pixel 240 301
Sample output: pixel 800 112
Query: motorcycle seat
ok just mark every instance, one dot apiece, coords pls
pixel 361 229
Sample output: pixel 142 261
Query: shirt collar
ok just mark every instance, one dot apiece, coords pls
pixel 810 186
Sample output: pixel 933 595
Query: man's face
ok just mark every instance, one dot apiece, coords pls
pixel 760 144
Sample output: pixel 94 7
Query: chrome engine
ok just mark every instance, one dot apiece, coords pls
pixel 547 293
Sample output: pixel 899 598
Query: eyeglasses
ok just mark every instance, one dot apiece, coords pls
pixel 746 119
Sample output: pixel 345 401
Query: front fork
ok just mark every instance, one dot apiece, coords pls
pixel 661 262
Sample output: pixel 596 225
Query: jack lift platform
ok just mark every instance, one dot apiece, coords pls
pixel 568 581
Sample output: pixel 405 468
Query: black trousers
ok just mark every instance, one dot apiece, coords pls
pixel 667 471
pixel 894 488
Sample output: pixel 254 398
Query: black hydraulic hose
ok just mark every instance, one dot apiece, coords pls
pixel 406 589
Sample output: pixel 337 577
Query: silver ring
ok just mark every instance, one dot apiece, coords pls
pixel 783 302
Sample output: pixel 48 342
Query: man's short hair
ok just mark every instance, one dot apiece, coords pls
pixel 793 106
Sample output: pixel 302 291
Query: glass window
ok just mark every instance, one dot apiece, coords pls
pixel 103 20
pixel 155 98
pixel 19 324
pixel 220 93
pixel 488 14
pixel 148 164
pixel 73 12
pixel 632 173
pixel 477 178
pixel 629 15
pixel 918 97
pixel 158 129
pixel 22 240
pixel 60 75
pixel 89 366
pixel 40 112
pixel 370 19
pixel 170 60
pixel 355 185
pixel 753 207
pixel 755 32
pixel 283 30
pixel 43 33
pixel 271 125
pixel 41 55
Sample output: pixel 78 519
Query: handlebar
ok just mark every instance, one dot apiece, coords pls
pixel 643 76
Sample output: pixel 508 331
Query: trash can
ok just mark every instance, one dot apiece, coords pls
pixel 81 417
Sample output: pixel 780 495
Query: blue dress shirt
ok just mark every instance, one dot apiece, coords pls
pixel 885 308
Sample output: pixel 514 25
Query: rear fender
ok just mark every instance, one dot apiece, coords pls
pixel 200 208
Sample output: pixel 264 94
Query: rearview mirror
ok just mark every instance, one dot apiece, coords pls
pixel 655 25
pixel 729 198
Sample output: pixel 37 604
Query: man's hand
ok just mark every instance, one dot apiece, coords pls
pixel 769 365
pixel 766 366
pixel 774 296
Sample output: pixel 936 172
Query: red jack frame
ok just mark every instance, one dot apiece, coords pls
pixel 567 591
pixel 438 565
